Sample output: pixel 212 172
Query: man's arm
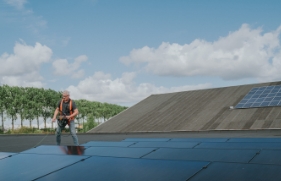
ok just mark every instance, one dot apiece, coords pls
pixel 75 113
pixel 55 114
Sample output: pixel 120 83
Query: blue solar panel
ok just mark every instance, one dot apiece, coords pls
pixel 57 150
pixel 89 151
pixel 261 97
pixel 223 155
pixel 109 168
pixel 5 154
pixel 268 157
pixel 173 144
pixel 147 139
pixel 119 152
pixel 218 171
pixel 108 143
pixel 31 166
pixel 245 159
pixel 254 140
pixel 240 145
pixel 200 139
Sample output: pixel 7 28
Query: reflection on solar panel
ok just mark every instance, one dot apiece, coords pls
pixel 57 150
pixel 261 97
pixel 90 151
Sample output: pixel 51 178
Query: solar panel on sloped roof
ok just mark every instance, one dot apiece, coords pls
pixel 261 97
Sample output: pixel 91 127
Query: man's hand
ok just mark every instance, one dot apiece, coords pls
pixel 55 114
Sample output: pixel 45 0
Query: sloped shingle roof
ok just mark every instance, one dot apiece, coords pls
pixel 197 110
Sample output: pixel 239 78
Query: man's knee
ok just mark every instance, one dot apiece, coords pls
pixel 73 133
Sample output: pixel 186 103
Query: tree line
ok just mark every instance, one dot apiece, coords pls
pixel 29 104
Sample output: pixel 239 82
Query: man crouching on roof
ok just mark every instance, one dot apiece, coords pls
pixel 67 110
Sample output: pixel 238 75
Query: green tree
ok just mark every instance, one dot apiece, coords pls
pixel 39 100
pixel 90 123
pixel 30 112
pixel 82 106
pixel 13 103
pixel 46 110
pixel 55 97
pixel 22 102
pixel 2 104
pixel 105 111
pixel 33 103
pixel 30 106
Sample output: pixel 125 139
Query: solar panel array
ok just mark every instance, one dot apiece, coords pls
pixel 261 97
pixel 177 159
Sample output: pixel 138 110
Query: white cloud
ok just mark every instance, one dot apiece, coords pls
pixel 22 67
pixel 19 4
pixel 245 53
pixel 103 88
pixel 27 80
pixel 63 67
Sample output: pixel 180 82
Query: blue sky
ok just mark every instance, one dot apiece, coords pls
pixel 122 51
